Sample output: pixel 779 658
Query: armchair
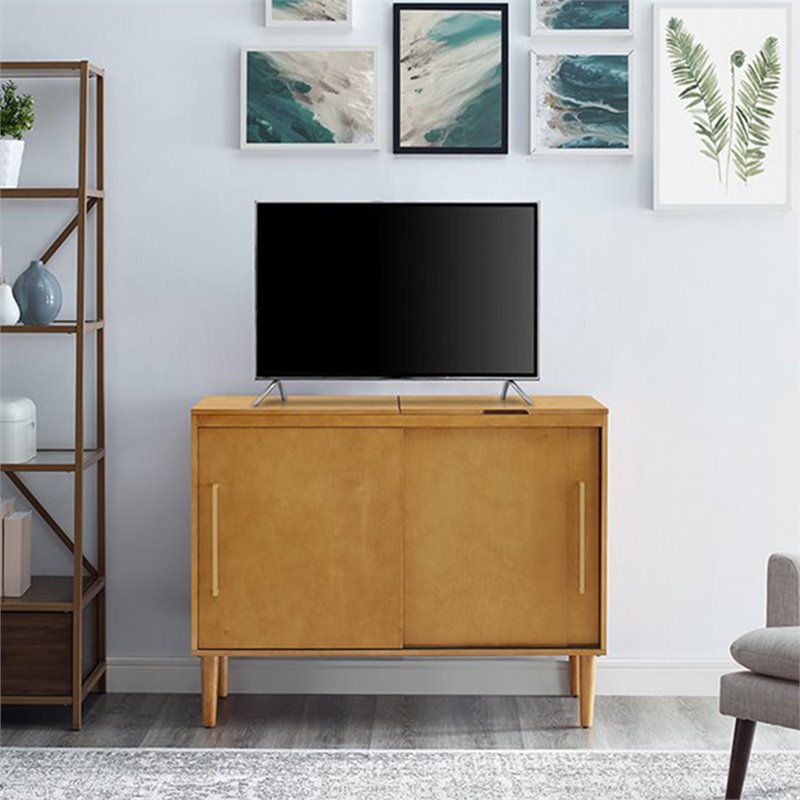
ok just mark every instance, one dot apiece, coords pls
pixel 769 690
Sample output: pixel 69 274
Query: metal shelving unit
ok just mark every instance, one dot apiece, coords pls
pixel 53 638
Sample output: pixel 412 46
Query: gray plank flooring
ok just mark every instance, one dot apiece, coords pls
pixel 386 722
pixel 447 722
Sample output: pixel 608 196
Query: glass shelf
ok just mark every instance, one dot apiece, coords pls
pixel 59 326
pixel 54 461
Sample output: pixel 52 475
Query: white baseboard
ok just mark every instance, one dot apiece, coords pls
pixel 512 676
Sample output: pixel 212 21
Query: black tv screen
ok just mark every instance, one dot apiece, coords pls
pixel 396 290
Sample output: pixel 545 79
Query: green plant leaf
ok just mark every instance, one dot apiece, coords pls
pixel 758 95
pixel 16 113
pixel 696 78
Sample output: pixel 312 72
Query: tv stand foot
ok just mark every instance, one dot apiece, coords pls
pixel 209 668
pixel 515 386
pixel 586 691
pixel 263 396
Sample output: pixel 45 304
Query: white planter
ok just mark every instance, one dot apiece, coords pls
pixel 10 162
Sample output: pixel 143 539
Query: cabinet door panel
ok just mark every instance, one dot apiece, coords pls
pixel 487 547
pixel 584 467
pixel 309 538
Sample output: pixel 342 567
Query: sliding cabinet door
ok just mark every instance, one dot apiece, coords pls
pixel 300 538
pixel 493 537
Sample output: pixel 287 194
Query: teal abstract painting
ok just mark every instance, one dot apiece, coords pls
pixel 575 16
pixel 581 103
pixel 451 78
pixel 306 98
pixel 309 13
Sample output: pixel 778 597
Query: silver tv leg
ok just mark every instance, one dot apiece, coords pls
pixel 263 396
pixel 515 386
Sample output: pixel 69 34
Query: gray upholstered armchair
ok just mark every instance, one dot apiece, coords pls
pixel 769 691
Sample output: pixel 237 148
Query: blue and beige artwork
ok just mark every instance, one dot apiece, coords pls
pixel 310 97
pixel 309 10
pixel 582 15
pixel 450 79
pixel 582 103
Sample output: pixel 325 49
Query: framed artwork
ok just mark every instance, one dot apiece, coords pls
pixel 451 78
pixel 581 104
pixel 331 15
pixel 582 17
pixel 722 133
pixel 308 98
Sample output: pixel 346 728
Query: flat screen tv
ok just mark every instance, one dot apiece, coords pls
pixel 396 290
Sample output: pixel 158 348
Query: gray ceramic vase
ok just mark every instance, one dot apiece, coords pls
pixel 38 295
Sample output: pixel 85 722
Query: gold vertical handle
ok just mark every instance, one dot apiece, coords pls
pixel 215 540
pixel 582 537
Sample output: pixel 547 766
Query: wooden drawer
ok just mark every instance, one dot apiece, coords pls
pixel 36 651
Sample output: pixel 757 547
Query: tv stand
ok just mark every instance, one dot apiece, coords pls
pixel 393 527
pixel 276 384
pixel 516 387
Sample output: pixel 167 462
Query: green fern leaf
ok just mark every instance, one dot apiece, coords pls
pixel 696 78
pixel 758 95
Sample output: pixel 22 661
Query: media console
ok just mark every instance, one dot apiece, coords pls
pixel 398 526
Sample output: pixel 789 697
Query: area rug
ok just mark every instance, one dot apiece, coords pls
pixel 77 774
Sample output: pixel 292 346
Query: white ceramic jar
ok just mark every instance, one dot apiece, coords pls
pixel 17 430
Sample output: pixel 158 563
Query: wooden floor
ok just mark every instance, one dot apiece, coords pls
pixel 389 722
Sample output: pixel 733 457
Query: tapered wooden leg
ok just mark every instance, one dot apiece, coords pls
pixel 586 670
pixel 210 674
pixel 223 677
pixel 743 735
pixel 574 676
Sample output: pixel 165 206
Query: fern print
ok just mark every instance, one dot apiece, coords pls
pixel 738 58
pixel 758 94
pixel 696 77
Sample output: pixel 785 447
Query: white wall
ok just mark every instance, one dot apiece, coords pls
pixel 684 324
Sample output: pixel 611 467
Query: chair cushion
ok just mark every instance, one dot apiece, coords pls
pixel 770 651
pixel 745 695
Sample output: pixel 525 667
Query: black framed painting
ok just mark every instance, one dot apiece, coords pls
pixel 451 78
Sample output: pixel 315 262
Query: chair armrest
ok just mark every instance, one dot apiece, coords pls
pixel 783 590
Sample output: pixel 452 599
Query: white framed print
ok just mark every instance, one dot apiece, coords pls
pixel 581 104
pixel 316 15
pixel 309 98
pixel 581 18
pixel 722 90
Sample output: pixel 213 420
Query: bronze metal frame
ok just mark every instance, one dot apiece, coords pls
pixel 77 461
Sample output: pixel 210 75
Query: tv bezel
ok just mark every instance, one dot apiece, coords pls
pixel 296 376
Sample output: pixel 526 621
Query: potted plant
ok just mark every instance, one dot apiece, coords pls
pixel 16 117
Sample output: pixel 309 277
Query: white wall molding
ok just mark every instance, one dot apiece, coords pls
pixel 524 676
